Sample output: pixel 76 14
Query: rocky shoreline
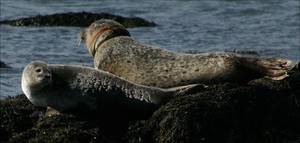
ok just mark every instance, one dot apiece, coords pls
pixel 79 19
pixel 260 111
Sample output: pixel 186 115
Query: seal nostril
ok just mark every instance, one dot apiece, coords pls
pixel 47 76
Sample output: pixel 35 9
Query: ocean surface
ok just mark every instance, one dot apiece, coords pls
pixel 268 27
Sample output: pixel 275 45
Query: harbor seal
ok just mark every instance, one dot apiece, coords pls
pixel 115 51
pixel 68 88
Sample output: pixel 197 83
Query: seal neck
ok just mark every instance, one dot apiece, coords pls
pixel 105 34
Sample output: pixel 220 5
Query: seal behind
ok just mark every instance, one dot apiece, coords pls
pixel 115 51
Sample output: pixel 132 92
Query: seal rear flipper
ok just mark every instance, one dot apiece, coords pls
pixel 187 89
pixel 273 68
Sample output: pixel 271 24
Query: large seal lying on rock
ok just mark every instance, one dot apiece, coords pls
pixel 116 52
pixel 67 88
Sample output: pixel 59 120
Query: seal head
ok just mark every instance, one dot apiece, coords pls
pixel 100 31
pixel 36 76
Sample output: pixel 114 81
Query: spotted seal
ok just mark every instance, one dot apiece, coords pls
pixel 115 51
pixel 67 88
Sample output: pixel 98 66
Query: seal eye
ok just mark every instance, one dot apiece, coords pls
pixel 38 70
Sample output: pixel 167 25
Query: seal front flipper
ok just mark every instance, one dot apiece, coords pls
pixel 51 112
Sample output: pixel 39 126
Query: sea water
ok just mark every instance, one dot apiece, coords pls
pixel 270 28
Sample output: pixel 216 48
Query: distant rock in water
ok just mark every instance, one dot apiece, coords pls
pixel 80 19
pixel 3 65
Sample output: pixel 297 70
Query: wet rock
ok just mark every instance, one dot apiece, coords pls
pixel 17 115
pixel 20 121
pixel 64 128
pixel 261 111
pixel 81 19
pixel 3 65
pixel 248 116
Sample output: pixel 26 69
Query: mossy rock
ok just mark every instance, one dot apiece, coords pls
pixel 262 111
pixel 17 115
pixel 20 121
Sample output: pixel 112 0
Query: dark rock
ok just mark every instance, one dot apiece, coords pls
pixel 82 19
pixel 242 114
pixel 3 65
pixel 17 115
pixel 261 111
pixel 20 121
pixel 66 128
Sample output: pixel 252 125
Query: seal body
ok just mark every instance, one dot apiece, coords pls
pixel 147 65
pixel 115 51
pixel 68 88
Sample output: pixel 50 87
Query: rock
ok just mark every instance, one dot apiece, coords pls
pixel 261 111
pixel 81 19
pixel 242 114
pixel 3 65
pixel 17 115
pixel 21 121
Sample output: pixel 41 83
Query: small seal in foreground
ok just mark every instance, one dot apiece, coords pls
pixel 67 88
pixel 115 51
